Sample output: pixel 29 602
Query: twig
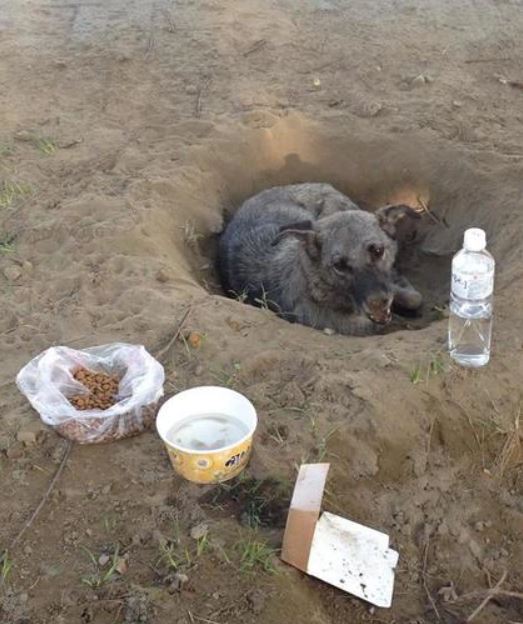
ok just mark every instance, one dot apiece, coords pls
pixel 424 576
pixel 517 84
pixel 258 45
pixel 168 16
pixel 198 105
pixel 426 210
pixel 176 334
pixel 201 619
pixel 490 594
pixel 44 497
pixel 487 60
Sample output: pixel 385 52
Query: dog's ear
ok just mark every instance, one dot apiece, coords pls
pixel 303 231
pixel 398 221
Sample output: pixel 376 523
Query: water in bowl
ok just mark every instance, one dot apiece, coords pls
pixel 207 432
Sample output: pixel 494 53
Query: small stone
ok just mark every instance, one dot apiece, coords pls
pixel 418 81
pixel 162 276
pixel 4 443
pixel 317 83
pixel 15 451
pixel 328 331
pixel 475 549
pixel 199 531
pixel 191 90
pixel 448 593
pixel 198 370
pixel 27 437
pixel 122 566
pixel 32 433
pixel 194 339
pixel 479 526
pixel 369 109
pixel 181 579
pixel 12 273
pixel 457 104
pixel 107 488
pixel 88 532
pixel 103 560
pixel 27 266
pixel 25 135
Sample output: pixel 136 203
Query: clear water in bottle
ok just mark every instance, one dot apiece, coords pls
pixel 472 285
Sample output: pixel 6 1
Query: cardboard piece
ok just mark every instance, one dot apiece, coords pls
pixel 340 552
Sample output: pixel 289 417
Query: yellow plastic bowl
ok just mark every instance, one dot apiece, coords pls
pixel 208 466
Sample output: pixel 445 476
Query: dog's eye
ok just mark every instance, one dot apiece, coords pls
pixel 342 266
pixel 376 251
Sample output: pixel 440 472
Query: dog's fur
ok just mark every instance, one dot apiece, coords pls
pixel 313 256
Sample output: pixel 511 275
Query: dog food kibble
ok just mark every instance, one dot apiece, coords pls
pixel 103 390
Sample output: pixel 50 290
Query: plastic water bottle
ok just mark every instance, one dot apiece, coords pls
pixel 472 285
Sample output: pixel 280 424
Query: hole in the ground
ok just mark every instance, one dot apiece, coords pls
pixel 224 170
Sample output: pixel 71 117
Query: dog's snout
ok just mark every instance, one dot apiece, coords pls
pixel 378 308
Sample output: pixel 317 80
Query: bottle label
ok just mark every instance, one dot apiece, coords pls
pixel 470 286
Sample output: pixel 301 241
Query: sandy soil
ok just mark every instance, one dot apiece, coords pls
pixel 129 129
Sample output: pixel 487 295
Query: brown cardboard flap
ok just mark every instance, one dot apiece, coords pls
pixel 303 514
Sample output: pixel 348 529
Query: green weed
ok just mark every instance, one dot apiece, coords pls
pixel 10 191
pixel 101 577
pixel 45 145
pixel 7 243
pixel 6 565
pixel 255 554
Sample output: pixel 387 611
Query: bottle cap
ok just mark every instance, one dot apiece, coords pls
pixel 474 240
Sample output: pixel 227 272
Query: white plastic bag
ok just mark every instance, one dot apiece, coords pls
pixel 47 381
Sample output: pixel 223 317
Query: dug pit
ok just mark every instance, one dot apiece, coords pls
pixel 189 207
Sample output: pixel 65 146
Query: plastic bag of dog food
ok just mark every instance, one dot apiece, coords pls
pixel 100 394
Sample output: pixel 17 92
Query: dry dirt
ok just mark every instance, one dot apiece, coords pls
pixel 129 129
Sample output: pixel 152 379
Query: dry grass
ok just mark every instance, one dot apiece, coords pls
pixel 511 453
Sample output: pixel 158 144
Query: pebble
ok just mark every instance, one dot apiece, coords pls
pixel 4 443
pixel 27 436
pixel 369 109
pixel 12 273
pixel 181 578
pixel 103 560
pixel 420 80
pixel 122 566
pixel 328 331
pixel 24 135
pixel 27 266
pixel 15 451
pixel 191 90
pixel 200 531
pixel 162 276
pixel 479 526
